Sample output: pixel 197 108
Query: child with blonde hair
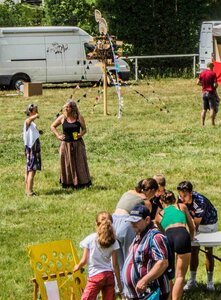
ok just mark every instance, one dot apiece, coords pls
pixel 100 249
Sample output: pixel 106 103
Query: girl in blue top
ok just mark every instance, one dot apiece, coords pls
pixel 173 220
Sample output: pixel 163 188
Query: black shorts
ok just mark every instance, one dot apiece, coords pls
pixel 179 240
pixel 210 101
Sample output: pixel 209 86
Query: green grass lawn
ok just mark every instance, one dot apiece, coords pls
pixel 145 141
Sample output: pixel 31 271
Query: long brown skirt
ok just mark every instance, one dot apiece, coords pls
pixel 74 167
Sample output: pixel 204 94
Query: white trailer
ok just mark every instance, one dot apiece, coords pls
pixel 49 54
pixel 210 43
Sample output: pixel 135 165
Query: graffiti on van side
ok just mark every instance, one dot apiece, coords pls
pixel 57 48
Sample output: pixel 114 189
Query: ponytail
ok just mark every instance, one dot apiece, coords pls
pixel 105 231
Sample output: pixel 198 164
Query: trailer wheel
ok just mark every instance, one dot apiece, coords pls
pixel 19 79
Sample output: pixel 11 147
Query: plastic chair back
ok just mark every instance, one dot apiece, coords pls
pixel 53 265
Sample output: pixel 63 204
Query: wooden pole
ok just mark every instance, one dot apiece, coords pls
pixel 105 85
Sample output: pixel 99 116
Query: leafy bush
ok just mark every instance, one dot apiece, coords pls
pixel 20 14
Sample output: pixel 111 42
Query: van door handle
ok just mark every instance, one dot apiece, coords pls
pixel 84 62
pixel 78 62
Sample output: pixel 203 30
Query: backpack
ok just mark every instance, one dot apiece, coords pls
pixel 170 271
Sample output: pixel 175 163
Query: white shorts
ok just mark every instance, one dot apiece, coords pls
pixel 208 228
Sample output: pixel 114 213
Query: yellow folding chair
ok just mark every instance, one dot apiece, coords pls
pixel 53 265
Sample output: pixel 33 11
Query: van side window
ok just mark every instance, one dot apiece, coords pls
pixel 89 50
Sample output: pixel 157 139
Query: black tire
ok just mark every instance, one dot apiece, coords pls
pixel 19 79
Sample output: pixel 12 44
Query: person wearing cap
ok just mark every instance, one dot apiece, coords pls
pixel 32 148
pixel 147 259
pixel 73 160
pixel 205 219
pixel 208 80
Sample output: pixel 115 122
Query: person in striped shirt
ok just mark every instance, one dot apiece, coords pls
pixel 147 259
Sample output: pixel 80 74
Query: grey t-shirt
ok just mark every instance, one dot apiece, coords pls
pixel 128 201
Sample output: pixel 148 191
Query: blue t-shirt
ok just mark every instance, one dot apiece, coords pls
pixel 201 207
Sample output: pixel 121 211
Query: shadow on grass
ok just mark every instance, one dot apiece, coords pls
pixel 202 293
pixel 65 191
pixel 67 85
pixel 99 188
pixel 58 191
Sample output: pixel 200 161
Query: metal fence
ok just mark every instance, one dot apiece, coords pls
pixel 138 58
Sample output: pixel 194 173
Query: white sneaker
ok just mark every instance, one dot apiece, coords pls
pixel 210 286
pixel 190 284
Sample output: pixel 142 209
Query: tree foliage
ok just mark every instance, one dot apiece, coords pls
pixel 20 14
pixel 55 12
pixel 158 26
pixel 69 12
pixel 147 27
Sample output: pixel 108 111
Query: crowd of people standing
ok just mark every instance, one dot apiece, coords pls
pixel 153 256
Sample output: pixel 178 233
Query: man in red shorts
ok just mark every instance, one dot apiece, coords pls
pixel 208 80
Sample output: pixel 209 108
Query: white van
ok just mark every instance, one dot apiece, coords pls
pixel 49 54
pixel 210 43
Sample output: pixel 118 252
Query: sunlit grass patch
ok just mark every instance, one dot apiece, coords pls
pixel 145 141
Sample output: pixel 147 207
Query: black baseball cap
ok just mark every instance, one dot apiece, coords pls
pixel 138 213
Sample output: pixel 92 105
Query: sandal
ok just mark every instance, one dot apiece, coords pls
pixel 31 194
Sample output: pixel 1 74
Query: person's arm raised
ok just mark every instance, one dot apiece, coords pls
pixel 31 119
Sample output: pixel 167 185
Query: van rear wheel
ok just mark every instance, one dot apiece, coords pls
pixel 19 79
